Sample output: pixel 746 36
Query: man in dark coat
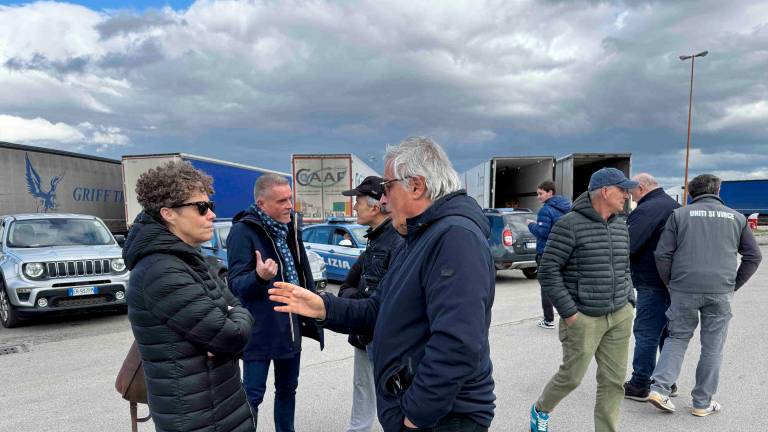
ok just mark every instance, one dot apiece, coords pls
pixel 585 272
pixel 432 310
pixel 361 282
pixel 645 224
pixel 264 246
pixel 555 206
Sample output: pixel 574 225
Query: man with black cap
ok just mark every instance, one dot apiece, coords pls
pixel 585 273
pixel 361 282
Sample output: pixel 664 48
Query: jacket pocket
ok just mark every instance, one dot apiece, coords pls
pixel 378 263
pixel 392 383
pixel 397 379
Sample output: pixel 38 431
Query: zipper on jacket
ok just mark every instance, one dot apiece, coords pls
pixel 613 271
pixel 296 241
pixel 282 278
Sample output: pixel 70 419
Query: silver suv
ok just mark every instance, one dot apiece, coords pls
pixel 51 262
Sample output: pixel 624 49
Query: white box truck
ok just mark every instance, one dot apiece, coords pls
pixel 41 180
pixel 572 172
pixel 319 180
pixel 508 181
pixel 232 182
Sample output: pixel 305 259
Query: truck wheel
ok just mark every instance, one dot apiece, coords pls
pixel 531 272
pixel 8 315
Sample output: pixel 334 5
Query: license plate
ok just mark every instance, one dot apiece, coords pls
pixel 81 291
pixel 530 245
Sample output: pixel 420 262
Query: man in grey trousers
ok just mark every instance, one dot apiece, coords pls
pixel 697 259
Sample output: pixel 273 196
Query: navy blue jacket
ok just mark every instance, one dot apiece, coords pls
pixel 275 335
pixel 554 208
pixel 646 223
pixel 432 312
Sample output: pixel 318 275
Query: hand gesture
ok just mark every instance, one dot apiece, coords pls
pixel 297 300
pixel 265 269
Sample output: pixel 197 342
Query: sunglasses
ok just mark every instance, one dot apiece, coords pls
pixel 202 206
pixel 387 185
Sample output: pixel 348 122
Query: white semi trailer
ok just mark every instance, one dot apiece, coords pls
pixel 319 179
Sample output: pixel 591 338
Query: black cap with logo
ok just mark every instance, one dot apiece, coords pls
pixel 371 187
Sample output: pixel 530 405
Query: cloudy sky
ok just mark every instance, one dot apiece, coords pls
pixel 254 81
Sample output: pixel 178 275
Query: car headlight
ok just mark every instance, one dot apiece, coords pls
pixel 117 264
pixel 34 270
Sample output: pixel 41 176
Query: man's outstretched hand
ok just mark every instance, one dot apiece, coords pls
pixel 297 300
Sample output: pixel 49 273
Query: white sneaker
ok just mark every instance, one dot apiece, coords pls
pixel 661 402
pixel 711 409
pixel 545 324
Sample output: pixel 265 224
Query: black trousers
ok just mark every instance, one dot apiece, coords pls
pixel 546 305
pixel 453 423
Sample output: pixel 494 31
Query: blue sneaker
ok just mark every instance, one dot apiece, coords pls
pixel 539 420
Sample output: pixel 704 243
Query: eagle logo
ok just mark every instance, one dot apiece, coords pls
pixel 35 187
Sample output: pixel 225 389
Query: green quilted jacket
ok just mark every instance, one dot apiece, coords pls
pixel 585 266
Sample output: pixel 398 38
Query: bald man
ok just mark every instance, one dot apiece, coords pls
pixel 646 224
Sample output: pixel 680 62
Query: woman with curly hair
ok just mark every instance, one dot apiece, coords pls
pixel 189 328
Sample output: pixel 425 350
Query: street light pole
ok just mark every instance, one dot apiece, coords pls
pixel 690 107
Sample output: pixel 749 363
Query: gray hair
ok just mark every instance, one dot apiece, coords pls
pixel 646 180
pixel 704 184
pixel 594 194
pixel 266 182
pixel 419 156
pixel 374 202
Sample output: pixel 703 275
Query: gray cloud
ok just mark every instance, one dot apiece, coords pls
pixel 126 23
pixel 264 79
pixel 38 62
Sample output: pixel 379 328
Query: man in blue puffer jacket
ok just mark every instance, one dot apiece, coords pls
pixel 555 206
pixel 432 310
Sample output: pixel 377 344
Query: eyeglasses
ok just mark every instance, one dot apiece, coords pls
pixel 202 206
pixel 387 185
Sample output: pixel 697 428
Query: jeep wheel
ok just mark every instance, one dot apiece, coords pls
pixel 8 315
pixel 531 272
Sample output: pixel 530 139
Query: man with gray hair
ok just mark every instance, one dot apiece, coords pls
pixel 361 282
pixel 585 273
pixel 645 224
pixel 432 310
pixel 263 247
pixel 696 259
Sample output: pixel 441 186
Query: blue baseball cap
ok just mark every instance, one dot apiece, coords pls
pixel 610 177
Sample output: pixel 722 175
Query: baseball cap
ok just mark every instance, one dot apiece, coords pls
pixel 370 186
pixel 610 177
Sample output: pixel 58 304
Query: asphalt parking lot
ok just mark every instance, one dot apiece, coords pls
pixel 61 378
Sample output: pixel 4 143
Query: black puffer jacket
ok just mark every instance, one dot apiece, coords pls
pixel 585 266
pixel 369 269
pixel 178 314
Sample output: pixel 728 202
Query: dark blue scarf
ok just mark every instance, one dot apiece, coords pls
pixel 279 233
